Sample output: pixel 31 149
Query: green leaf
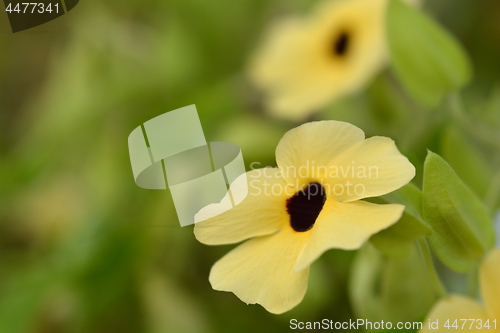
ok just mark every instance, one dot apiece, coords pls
pixel 462 228
pixel 425 57
pixel 410 196
pixel 467 162
pixel 397 240
pixel 379 285
pixel 490 112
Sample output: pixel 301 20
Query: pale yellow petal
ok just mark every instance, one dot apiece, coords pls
pixel 271 62
pixel 489 281
pixel 454 308
pixel 304 151
pixel 261 271
pixel 346 226
pixel 370 168
pixel 262 212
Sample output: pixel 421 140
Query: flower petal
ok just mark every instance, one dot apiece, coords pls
pixel 261 271
pixel 372 167
pixel 271 63
pixel 490 283
pixel 297 66
pixel 455 308
pixel 303 150
pixel 346 226
pixel 262 212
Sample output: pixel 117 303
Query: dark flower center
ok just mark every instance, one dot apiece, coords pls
pixel 341 44
pixel 305 206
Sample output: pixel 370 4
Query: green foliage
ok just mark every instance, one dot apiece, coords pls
pixel 398 239
pixel 462 228
pixel 466 161
pixel 380 285
pixel 427 59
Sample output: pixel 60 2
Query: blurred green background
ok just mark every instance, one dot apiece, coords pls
pixel 83 249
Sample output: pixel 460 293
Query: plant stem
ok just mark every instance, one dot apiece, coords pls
pixel 477 128
pixel 426 256
pixel 472 282
pixel 493 192
pixel 482 132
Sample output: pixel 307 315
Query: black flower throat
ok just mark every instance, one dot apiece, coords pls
pixel 341 44
pixel 305 206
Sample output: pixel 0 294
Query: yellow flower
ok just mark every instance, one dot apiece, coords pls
pixel 305 63
pixel 294 213
pixel 458 308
